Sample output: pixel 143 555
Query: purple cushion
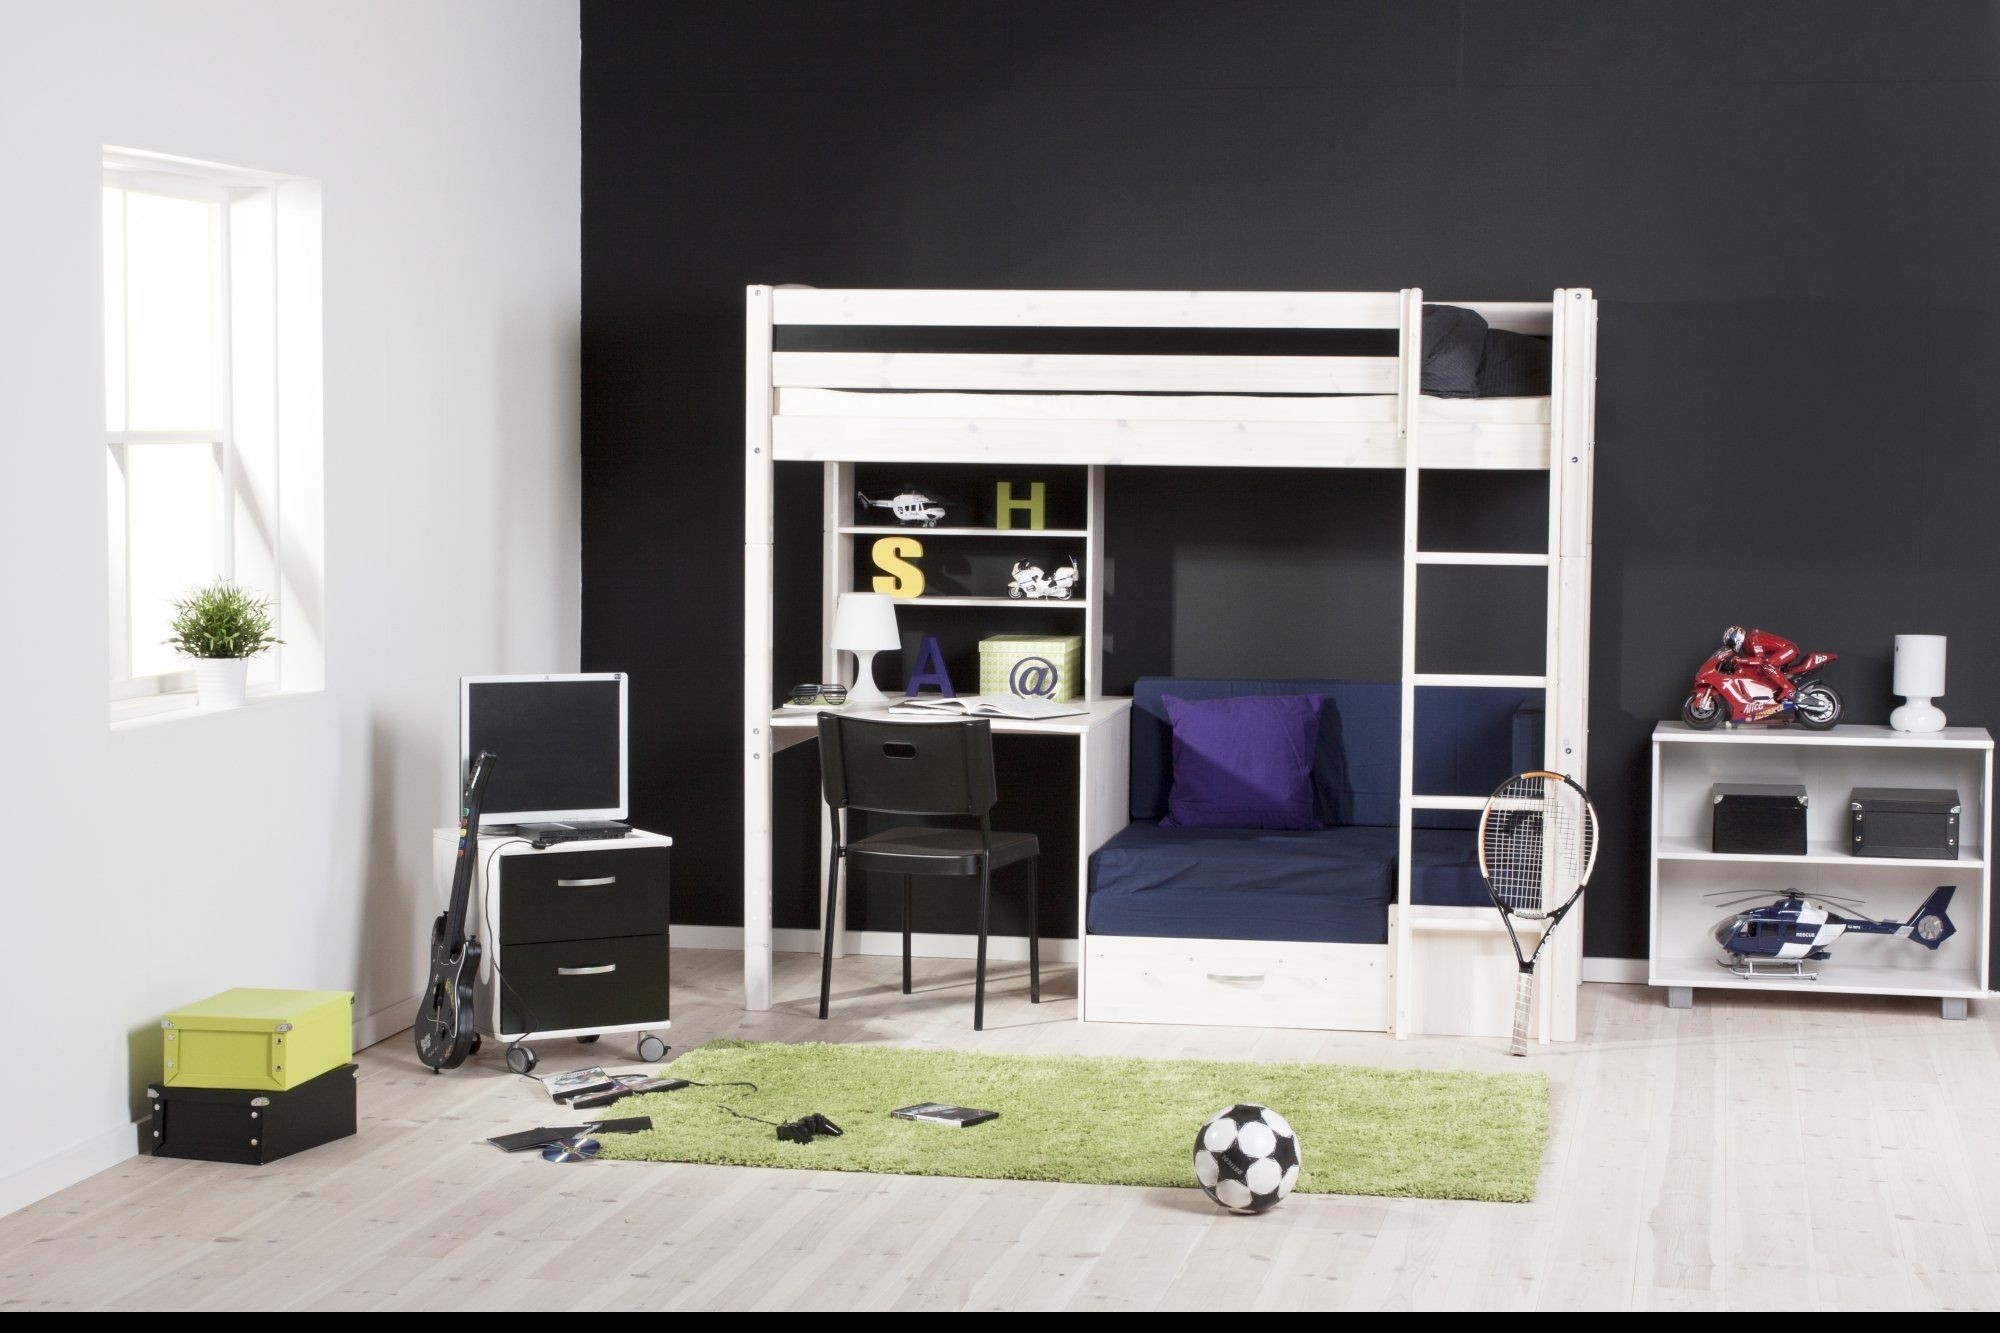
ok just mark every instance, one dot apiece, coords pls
pixel 1244 762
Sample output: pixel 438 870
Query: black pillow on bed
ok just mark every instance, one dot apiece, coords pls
pixel 1454 347
pixel 1516 366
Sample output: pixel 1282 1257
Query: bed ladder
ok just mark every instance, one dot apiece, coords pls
pixel 1565 673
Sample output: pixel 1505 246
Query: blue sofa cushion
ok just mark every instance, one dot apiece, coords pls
pixel 1331 885
pixel 1468 741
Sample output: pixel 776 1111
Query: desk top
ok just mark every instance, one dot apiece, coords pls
pixel 1096 714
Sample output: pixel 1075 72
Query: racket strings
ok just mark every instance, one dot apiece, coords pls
pixel 1535 841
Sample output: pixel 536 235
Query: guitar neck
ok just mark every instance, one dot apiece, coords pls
pixel 473 795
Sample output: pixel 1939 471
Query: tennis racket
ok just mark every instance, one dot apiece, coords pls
pixel 1537 845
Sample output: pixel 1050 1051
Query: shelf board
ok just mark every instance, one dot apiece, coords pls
pixel 1818 853
pixel 1836 977
pixel 1951 738
pixel 1021 603
pixel 891 530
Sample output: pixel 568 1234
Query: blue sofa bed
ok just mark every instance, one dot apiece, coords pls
pixel 1331 885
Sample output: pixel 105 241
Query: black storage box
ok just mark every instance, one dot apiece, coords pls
pixel 1910 822
pixel 1760 818
pixel 252 1127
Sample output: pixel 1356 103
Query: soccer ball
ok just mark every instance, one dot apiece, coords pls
pixel 1246 1158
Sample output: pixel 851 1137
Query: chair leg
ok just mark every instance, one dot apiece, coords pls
pixel 826 954
pixel 906 934
pixel 979 977
pixel 1034 931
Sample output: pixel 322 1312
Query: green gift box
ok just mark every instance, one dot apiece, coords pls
pixel 1039 666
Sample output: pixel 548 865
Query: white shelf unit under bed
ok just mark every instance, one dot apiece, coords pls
pixel 1443 969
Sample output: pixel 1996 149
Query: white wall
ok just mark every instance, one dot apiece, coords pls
pixel 286 844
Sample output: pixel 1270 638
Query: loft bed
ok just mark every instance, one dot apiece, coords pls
pixel 1439 966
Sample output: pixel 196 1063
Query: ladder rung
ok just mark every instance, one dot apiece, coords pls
pixel 1482 558
pixel 1448 802
pixel 1479 681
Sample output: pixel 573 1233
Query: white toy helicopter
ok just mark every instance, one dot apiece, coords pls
pixel 911 508
pixel 1029 581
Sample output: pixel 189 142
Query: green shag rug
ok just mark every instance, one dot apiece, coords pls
pixel 1408 1133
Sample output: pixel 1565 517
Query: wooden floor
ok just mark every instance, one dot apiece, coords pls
pixel 1758 1153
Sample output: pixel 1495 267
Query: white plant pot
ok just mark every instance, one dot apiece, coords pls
pixel 221 682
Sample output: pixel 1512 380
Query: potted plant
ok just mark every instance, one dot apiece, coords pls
pixel 221 627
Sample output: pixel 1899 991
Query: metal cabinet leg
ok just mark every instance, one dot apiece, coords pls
pixel 1954 1008
pixel 1680 997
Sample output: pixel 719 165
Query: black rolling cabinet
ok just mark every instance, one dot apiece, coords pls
pixel 576 941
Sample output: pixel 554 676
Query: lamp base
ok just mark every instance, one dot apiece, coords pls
pixel 1917 715
pixel 865 693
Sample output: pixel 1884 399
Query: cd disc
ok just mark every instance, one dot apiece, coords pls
pixel 571 1150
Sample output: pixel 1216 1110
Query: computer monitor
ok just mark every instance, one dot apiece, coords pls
pixel 558 742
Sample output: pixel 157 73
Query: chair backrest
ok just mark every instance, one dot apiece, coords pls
pixel 907 768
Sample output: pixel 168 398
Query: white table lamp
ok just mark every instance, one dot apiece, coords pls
pixel 1919 679
pixel 865 624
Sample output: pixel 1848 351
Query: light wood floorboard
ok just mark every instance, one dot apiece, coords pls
pixel 1758 1152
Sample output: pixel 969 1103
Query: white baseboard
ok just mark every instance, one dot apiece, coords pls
pixel 79 1161
pixel 999 948
pixel 384 1023
pixel 1617 971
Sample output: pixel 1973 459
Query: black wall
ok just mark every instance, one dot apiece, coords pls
pixel 1790 213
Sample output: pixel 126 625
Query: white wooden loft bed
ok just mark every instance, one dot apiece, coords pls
pixel 1443 969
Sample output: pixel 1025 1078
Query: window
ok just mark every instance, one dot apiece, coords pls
pixel 199 448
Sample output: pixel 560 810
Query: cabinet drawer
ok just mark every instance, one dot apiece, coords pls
pixel 584 984
pixel 1237 983
pixel 583 895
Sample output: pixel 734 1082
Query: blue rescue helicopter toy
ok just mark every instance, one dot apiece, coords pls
pixel 1780 938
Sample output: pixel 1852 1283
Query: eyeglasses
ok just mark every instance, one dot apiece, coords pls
pixel 807 695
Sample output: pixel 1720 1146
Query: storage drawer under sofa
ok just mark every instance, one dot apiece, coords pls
pixel 1236 983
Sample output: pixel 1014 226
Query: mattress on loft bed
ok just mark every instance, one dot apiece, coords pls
pixel 1326 886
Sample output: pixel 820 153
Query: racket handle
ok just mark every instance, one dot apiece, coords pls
pixel 1524 1001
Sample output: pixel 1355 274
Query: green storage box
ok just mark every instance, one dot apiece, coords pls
pixel 267 1040
pixel 1024 663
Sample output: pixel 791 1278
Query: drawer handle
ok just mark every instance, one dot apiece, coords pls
pixel 1246 980
pixel 599 882
pixel 586 971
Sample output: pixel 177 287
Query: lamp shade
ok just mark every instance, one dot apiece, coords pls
pixel 1919 665
pixel 864 622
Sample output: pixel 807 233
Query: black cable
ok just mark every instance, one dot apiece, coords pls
pixel 758 1118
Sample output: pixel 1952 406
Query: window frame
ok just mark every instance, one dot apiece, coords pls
pixel 221 190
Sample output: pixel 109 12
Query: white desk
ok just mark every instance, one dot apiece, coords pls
pixel 1103 783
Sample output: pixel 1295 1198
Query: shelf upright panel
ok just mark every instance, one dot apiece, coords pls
pixel 1409 428
pixel 757 687
pixel 1093 584
pixel 837 574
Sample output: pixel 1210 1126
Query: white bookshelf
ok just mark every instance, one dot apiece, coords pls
pixel 1686 765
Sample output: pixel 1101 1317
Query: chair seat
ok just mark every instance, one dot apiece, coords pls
pixel 937 851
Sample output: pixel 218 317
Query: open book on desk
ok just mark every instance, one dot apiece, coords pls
pixel 985 705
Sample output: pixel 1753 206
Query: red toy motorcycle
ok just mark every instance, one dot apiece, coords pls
pixel 1759 677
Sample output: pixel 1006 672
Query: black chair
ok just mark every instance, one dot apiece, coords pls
pixel 928 769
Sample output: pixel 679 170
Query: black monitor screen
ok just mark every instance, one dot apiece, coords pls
pixel 558 747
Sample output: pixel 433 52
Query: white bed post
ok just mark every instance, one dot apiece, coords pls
pixel 757 696
pixel 837 568
pixel 1402 956
pixel 1566 719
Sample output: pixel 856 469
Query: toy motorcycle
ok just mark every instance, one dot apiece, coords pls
pixel 1030 581
pixel 1725 692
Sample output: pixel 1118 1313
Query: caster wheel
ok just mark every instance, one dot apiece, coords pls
pixel 651 1048
pixel 520 1059
pixel 585 1041
pixel 473 1049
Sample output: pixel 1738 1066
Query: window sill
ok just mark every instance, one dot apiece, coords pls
pixel 153 709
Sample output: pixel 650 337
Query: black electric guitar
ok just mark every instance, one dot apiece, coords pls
pixel 445 1028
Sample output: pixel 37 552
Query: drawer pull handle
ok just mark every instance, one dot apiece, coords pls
pixel 597 883
pixel 1246 980
pixel 599 970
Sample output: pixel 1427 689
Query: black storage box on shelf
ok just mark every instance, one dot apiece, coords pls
pixel 1913 823
pixel 252 1126
pixel 1760 818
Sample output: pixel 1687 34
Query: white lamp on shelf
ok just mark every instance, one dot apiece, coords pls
pixel 865 624
pixel 1919 678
